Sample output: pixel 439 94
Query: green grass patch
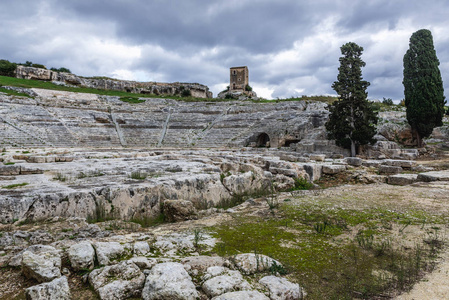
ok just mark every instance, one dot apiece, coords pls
pixel 316 245
pixel 132 100
pixel 12 186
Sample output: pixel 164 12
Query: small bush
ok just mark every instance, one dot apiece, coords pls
pixel 7 68
pixel 40 66
pixel 186 93
pixel 64 70
pixel 302 184
pixel 248 88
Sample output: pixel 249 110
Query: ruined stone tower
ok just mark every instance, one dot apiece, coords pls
pixel 238 78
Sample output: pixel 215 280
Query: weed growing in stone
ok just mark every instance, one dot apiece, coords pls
pixel 60 177
pixel 138 175
pixel 302 184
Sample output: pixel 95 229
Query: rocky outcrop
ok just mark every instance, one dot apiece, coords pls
pixel 195 89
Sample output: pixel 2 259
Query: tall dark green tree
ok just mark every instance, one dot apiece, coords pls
pixel 423 86
pixel 352 119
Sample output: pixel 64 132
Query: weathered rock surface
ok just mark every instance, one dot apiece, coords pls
pixel 169 281
pixel 434 176
pixel 121 281
pixel 82 256
pixel 354 161
pixel 333 169
pixel 223 281
pixel 109 251
pixel 202 263
pixel 250 263
pixel 385 169
pixel 179 210
pixel 42 263
pixel 402 179
pixel 57 289
pixel 242 295
pixel 141 248
pixel 281 288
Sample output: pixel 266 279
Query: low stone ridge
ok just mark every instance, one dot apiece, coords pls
pixel 156 88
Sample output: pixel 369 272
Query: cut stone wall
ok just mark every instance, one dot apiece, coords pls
pixel 66 119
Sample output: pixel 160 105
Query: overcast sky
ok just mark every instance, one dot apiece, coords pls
pixel 291 47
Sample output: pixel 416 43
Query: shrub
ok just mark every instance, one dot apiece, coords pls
pixel 7 68
pixel 64 70
pixel 38 66
pixel 387 101
pixel 248 88
pixel 186 93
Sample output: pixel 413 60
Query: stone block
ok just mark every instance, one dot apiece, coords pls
pixel 9 170
pixel 406 164
pixel 371 163
pixel 333 169
pixel 384 169
pixel 354 161
pixel 434 176
pixel 317 157
pixel 402 179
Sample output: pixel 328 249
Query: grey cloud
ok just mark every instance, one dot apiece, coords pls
pixel 198 40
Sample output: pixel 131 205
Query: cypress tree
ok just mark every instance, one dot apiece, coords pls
pixel 352 119
pixel 423 86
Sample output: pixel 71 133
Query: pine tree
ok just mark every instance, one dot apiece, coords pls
pixel 423 86
pixel 352 119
